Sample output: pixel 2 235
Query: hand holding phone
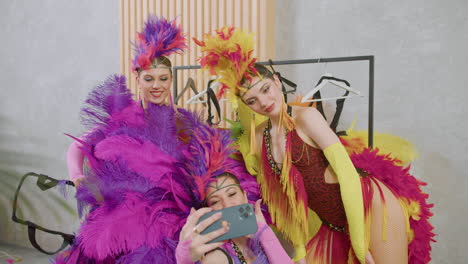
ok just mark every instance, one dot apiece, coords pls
pixel 240 219
pixel 192 245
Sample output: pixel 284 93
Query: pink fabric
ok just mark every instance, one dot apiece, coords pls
pixel 182 252
pixel 75 160
pixel 271 245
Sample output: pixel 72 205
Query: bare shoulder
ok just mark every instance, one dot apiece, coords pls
pixel 312 127
pixel 215 257
pixel 306 113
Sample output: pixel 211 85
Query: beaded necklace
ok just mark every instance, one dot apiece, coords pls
pixel 239 254
pixel 271 160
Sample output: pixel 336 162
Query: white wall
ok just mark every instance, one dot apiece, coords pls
pixel 51 54
pixel 420 85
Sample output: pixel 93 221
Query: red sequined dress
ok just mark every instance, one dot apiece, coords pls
pixel 332 243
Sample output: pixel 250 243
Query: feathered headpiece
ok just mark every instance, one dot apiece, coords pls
pixel 210 154
pixel 229 54
pixel 159 37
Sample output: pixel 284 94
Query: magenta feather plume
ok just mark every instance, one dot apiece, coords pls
pixel 141 156
pixel 210 153
pixel 159 37
pixel 151 255
pixel 403 185
pixel 113 232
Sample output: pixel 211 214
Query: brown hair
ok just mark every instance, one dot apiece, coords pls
pixel 227 175
pixel 231 176
pixel 159 60
pixel 262 71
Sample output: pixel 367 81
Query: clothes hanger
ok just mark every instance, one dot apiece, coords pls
pixel 189 84
pixel 211 98
pixel 326 79
pixel 283 81
pixel 211 85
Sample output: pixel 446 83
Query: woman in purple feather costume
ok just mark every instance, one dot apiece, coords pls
pixel 134 153
pixel 152 69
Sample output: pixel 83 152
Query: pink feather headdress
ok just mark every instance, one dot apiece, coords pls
pixel 159 37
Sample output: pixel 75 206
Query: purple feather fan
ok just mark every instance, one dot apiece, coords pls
pixel 110 97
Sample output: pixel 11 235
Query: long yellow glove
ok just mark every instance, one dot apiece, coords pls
pixel 351 194
pixel 300 252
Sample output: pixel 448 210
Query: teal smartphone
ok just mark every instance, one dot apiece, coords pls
pixel 241 220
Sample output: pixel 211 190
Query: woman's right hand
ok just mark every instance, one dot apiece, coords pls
pixel 77 181
pixel 199 245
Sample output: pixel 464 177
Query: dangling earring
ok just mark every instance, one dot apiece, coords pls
pixel 285 119
pixel 142 99
pixel 138 94
pixel 253 143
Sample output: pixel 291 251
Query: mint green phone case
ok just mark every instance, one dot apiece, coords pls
pixel 241 219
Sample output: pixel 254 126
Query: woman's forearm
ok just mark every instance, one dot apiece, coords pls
pixel 75 159
pixel 271 245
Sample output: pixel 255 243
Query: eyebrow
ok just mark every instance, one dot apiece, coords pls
pixel 151 75
pixel 217 196
pixel 255 96
pixel 230 188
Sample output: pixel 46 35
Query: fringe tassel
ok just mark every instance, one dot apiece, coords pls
pixel 288 210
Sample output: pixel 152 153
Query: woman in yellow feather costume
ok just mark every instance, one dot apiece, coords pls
pixel 367 207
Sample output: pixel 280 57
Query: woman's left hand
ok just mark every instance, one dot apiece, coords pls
pixel 369 258
pixel 258 212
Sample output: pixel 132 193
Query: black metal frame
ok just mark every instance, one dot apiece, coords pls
pixel 369 58
pixel 44 182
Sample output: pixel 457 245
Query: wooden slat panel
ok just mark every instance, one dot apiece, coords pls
pixel 197 17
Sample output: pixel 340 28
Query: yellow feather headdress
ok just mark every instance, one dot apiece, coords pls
pixel 229 55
